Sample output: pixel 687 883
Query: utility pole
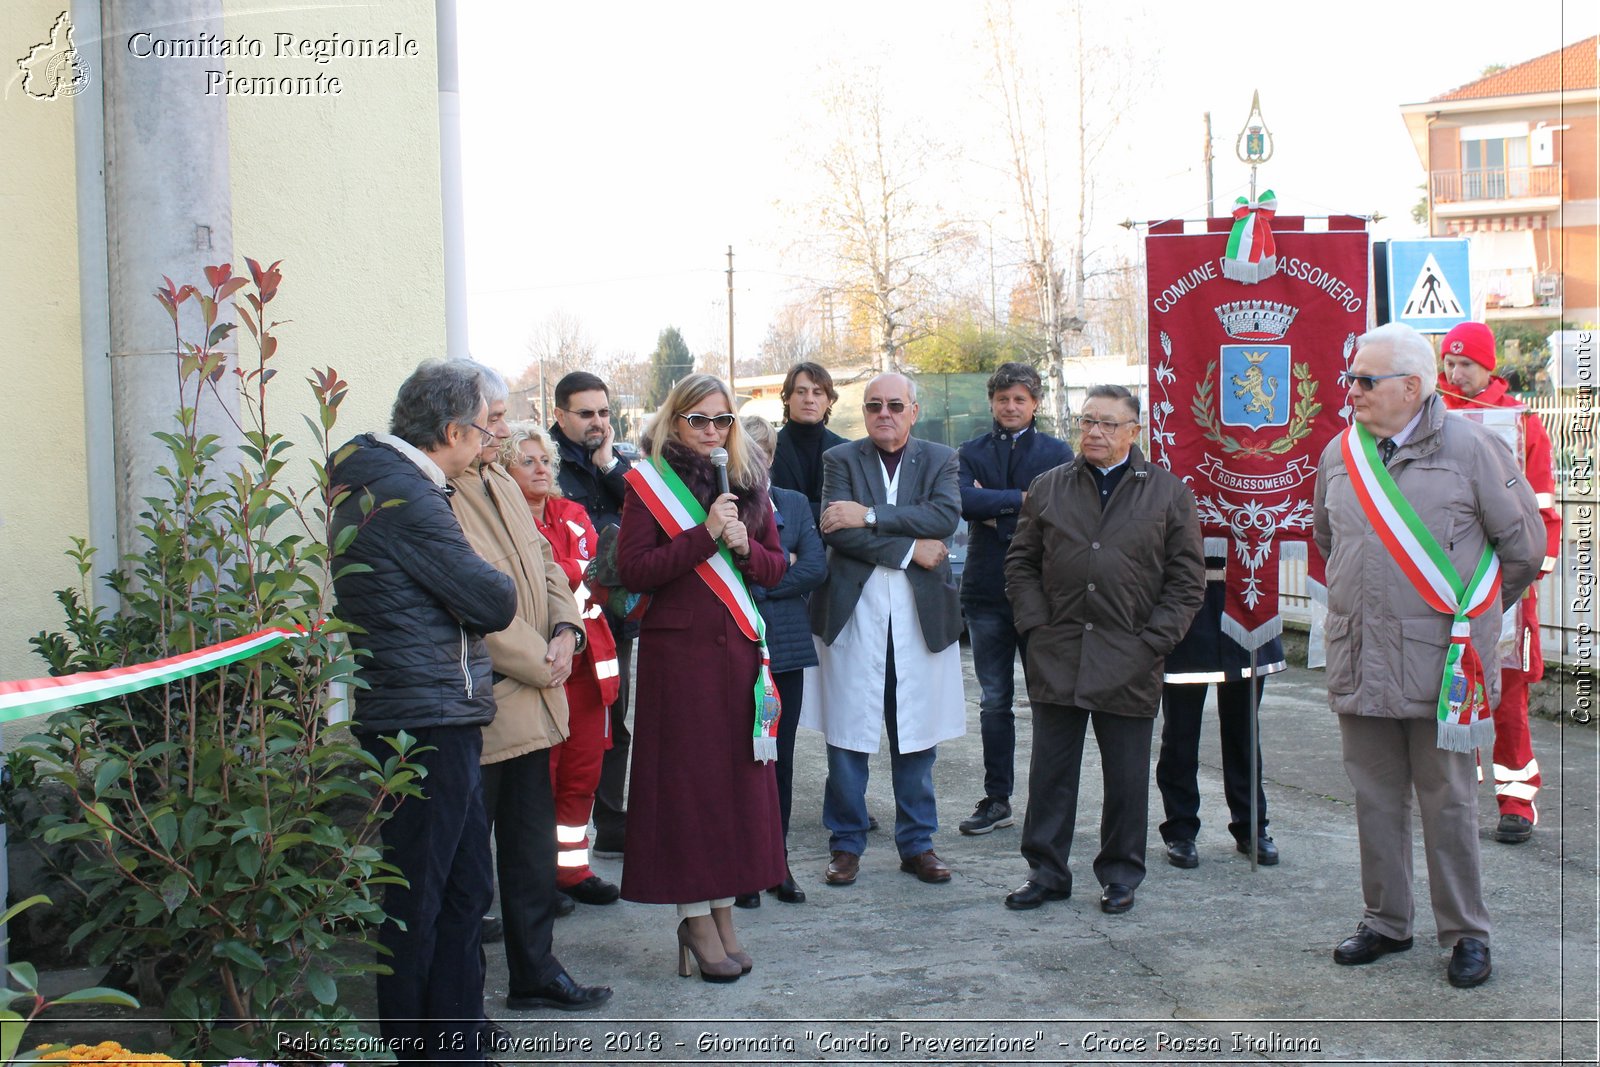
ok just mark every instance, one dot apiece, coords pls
pixel 730 319
pixel 544 407
pixel 1211 199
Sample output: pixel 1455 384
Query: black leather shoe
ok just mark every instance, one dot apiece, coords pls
pixel 747 900
pixel 789 890
pixel 563 993
pixel 593 890
pixel 1266 851
pixel 1513 830
pixel 1116 899
pixel 1031 894
pixel 1366 945
pixel 565 905
pixel 1183 854
pixel 493 930
pixel 1469 963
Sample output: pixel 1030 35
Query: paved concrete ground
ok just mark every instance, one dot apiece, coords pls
pixel 889 968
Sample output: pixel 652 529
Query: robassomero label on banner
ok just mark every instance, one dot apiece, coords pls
pixel 1244 390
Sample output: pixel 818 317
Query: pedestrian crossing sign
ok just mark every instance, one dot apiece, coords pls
pixel 1430 287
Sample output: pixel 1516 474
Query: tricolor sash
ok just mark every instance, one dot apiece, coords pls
pixel 1463 712
pixel 676 509
pixel 35 696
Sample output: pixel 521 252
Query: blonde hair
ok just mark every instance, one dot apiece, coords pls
pixel 745 469
pixel 760 434
pixel 511 449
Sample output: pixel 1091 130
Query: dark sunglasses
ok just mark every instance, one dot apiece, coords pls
pixel 875 406
pixel 1367 381
pixel 700 422
pixel 589 413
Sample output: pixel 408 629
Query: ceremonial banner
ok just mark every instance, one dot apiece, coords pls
pixel 1244 389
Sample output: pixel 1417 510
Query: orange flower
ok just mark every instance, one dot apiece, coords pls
pixel 106 1054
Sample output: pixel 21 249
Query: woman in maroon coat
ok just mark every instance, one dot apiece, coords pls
pixel 703 823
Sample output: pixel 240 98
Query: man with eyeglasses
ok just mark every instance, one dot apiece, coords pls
pixel 532 659
pixel 1467 383
pixel 997 468
pixel 1429 530
pixel 1104 574
pixel 422 601
pixel 592 473
pixel 886 623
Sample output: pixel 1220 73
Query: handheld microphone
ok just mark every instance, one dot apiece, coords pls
pixel 719 460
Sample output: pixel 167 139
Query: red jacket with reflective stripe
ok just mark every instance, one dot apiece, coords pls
pixel 1539 468
pixel 572 538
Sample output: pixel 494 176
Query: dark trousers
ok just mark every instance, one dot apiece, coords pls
pixel 1178 766
pixel 610 796
pixel 430 1007
pixel 995 644
pixel 522 815
pixel 1124 743
pixel 791 691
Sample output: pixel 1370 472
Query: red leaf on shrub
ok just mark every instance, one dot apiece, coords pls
pixel 229 287
pixel 255 270
pixel 269 345
pixel 269 281
pixel 216 276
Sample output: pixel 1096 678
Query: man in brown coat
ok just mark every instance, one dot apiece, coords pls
pixel 1099 619
pixel 1387 646
pixel 532 659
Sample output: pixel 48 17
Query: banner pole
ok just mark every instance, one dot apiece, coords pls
pixel 1255 764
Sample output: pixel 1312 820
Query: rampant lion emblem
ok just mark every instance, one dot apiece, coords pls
pixel 1253 384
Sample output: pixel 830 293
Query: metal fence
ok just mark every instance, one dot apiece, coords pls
pixel 1566 609
pixel 1572 435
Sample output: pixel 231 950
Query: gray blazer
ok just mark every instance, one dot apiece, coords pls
pixel 930 506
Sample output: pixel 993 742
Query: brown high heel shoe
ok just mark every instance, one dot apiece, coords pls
pixel 739 956
pixel 726 969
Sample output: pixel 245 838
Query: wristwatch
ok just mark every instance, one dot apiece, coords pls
pixel 580 639
pixel 872 518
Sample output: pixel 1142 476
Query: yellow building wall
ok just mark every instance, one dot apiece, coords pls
pixel 345 190
pixel 42 477
pixel 342 187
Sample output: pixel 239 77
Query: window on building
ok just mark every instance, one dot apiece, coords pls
pixel 1494 161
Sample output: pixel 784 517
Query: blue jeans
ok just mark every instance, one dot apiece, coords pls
pixel 995 644
pixel 844 800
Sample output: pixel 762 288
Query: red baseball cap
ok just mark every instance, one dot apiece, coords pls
pixel 1473 340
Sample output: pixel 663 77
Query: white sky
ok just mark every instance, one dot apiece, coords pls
pixel 612 151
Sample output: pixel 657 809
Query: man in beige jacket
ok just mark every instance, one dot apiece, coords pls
pixel 1387 647
pixel 532 659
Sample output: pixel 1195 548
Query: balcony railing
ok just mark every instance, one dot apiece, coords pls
pixel 1496 183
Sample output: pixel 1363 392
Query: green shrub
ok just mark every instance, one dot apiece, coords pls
pixel 218 825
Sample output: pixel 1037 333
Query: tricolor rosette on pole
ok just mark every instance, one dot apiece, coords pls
pixel 1252 254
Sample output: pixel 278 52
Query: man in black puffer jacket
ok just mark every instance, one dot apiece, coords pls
pixel 424 600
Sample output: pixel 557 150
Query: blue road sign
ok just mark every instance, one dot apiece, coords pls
pixel 1430 287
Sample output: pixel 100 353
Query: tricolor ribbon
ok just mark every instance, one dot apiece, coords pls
pixel 1463 709
pixel 36 696
pixel 1252 254
pixel 676 509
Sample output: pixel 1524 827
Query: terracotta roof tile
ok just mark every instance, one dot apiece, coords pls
pixel 1572 67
